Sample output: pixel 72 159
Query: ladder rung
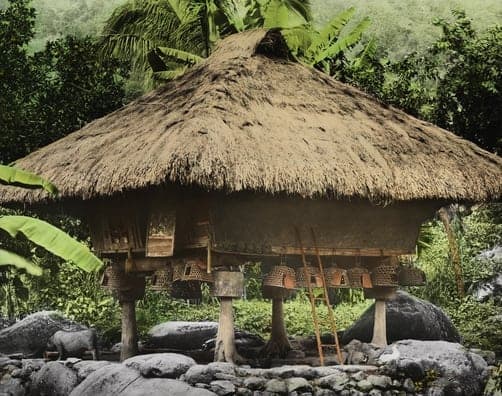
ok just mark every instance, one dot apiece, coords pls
pixel 328 345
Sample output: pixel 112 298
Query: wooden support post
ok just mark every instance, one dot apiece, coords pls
pixel 278 345
pixel 380 325
pixel 129 330
pixel 225 350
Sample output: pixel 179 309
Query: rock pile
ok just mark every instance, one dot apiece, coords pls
pixel 404 368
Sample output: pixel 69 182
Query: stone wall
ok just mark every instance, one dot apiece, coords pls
pixel 404 368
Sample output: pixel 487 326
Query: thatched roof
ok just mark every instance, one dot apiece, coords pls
pixel 250 118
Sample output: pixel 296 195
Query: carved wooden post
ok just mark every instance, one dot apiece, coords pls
pixel 126 288
pixel 380 325
pixel 227 285
pixel 129 330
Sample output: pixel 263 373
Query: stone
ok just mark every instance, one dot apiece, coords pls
pixel 364 385
pixel 323 392
pixel 450 361
pixel 222 387
pixel 297 384
pixel 12 387
pixel 119 379
pixel 207 373
pixel 380 381
pixel 86 367
pixel 181 335
pixel 407 317
pixel 254 383
pixel 335 382
pixel 375 392
pixel 288 371
pixel 276 386
pixel 358 376
pixel 409 385
pixel 161 365
pixel 489 356
pixel 54 379
pixel 30 335
pixel 244 392
pixel 490 288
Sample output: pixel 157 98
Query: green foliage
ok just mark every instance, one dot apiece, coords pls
pixel 187 31
pixel 455 83
pixel 478 323
pixel 403 27
pixel 326 49
pixel 48 94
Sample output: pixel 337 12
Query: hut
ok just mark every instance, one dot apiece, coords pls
pixel 245 155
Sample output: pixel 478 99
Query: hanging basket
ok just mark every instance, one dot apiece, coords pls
pixel 280 276
pixel 360 277
pixel 228 284
pixel 313 274
pixel 178 269
pixel 196 270
pixel 410 276
pixel 162 279
pixel 337 278
pixel 384 275
pixel 186 290
pixel 272 292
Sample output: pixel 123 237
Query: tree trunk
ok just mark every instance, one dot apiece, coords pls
pixel 129 330
pixel 225 350
pixel 380 326
pixel 278 345
pixel 454 251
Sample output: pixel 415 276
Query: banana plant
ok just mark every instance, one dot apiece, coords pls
pixel 319 48
pixel 167 36
pixel 40 232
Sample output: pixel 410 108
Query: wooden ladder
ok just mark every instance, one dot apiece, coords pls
pixel 324 298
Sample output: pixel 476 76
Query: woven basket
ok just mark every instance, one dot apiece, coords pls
pixel 114 278
pixel 337 277
pixel 384 275
pixel 281 276
pixel 276 292
pixel 313 275
pixel 178 269
pixel 410 276
pixel 196 270
pixel 360 277
pixel 187 290
pixel 162 279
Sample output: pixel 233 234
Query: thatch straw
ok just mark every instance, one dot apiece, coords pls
pixel 249 118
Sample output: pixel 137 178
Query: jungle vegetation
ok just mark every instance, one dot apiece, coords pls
pixel 445 67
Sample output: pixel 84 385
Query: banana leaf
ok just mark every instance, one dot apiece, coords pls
pixel 17 177
pixel 9 258
pixel 52 239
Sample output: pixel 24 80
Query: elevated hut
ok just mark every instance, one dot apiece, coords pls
pixel 242 155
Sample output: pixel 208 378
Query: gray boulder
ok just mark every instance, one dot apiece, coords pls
pixel 408 317
pixel 163 365
pixel 12 387
pixel 86 367
pixel 121 380
pixel 30 335
pixel 181 335
pixel 54 379
pixel 448 361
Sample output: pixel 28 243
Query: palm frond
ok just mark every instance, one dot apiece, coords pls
pixel 179 55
